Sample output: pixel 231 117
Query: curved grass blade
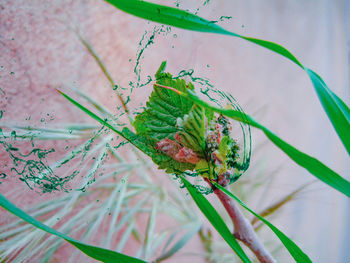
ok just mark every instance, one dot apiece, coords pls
pixel 215 219
pixel 97 253
pixel 293 249
pixel 274 207
pixel 105 72
pixel 88 112
pixel 336 109
pixel 125 133
pixel 314 166
pixel 167 15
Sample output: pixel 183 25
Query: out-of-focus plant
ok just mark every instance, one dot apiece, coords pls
pixel 183 135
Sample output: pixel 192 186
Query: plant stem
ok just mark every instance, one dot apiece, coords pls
pixel 105 72
pixel 243 229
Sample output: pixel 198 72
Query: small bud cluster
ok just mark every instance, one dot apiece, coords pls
pixel 221 151
pixel 177 151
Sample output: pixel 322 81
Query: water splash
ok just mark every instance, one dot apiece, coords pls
pixel 145 42
pixel 221 19
pixel 33 168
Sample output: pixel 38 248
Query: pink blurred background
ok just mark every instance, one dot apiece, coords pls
pixel 38 46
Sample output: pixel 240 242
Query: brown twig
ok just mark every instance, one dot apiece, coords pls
pixel 207 242
pixel 277 205
pixel 104 70
pixel 243 229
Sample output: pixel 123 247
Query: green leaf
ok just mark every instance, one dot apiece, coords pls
pixel 163 108
pixel 214 218
pixel 192 133
pixel 293 249
pixel 224 146
pixel 314 166
pixel 97 253
pixel 160 119
pixel 336 109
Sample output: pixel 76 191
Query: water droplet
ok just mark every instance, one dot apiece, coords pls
pixel 12 73
pixel 175 36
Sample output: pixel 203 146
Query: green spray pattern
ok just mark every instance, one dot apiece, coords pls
pixel 33 168
pixel 28 166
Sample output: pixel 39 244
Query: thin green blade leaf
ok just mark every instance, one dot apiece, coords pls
pixel 293 249
pixel 90 113
pixel 167 15
pixel 314 166
pixel 144 144
pixel 125 133
pixel 336 109
pixel 215 219
pixel 273 47
pixel 97 253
